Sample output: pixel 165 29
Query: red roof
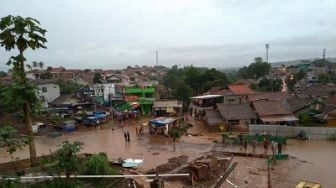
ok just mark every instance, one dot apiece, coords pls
pixel 240 90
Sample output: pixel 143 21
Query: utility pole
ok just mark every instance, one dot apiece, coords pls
pixel 323 57
pixel 267 47
pixel 157 58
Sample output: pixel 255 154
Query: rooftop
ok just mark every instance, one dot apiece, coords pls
pixel 236 111
pixel 267 108
pixel 240 89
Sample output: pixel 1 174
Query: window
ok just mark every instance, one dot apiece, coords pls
pixel 44 89
pixel 234 122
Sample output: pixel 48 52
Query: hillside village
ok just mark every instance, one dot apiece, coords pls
pixel 179 123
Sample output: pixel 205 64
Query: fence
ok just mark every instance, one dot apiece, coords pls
pixel 312 133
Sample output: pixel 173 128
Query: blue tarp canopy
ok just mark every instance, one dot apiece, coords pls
pixel 161 121
pixel 100 115
pixel 92 118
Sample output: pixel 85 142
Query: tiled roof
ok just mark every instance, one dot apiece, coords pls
pixel 272 96
pixel 267 108
pixel 297 104
pixel 240 90
pixel 236 111
pixel 331 100
pixel 213 117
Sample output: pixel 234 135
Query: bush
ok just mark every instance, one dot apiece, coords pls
pixel 98 165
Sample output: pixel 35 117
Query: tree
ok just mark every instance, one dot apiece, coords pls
pixel 49 68
pixel 10 139
pixel 2 74
pixel 23 33
pixel 41 65
pixel 255 70
pixel 45 75
pixel 97 78
pixel 183 92
pixel 270 84
pixel 34 64
pixel 259 68
pixel 324 78
pixel 68 86
pixel 245 73
pixel 192 78
pixel 291 80
pixel 67 157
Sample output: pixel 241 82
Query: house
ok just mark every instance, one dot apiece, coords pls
pixel 214 120
pixel 274 112
pixel 47 91
pixel 237 94
pixel 271 96
pixel 204 102
pixel 237 116
pixel 318 91
pixel 167 107
pixel 142 97
pixel 85 94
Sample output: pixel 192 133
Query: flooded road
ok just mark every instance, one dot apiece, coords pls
pixel 154 149
pixel 314 160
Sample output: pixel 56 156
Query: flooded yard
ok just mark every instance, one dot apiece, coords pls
pixel 310 160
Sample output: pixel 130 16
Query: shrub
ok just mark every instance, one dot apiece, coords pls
pixel 98 165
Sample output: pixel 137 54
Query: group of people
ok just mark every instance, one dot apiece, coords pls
pixel 127 136
pixel 274 145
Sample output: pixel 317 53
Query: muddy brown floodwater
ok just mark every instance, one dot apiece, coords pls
pixel 314 160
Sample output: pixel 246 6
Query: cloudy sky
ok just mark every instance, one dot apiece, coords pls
pixel 113 34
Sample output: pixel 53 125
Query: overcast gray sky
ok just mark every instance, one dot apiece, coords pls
pixel 113 34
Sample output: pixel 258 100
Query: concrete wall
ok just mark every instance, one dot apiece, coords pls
pixel 48 92
pixel 313 133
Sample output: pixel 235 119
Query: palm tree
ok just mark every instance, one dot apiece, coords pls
pixel 41 65
pixel 35 64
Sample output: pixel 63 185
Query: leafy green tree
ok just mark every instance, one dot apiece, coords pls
pixel 49 68
pixel 255 70
pixel 2 74
pixel 45 75
pixel 41 65
pixel 291 80
pixel 245 73
pixel 22 33
pixel 212 78
pixel 35 64
pixel 270 84
pixel 183 92
pixel 67 157
pixel 11 140
pixel 259 68
pixel 324 78
pixel 97 78
pixel 67 86
pixel 192 78
pixel 175 133
pixel 98 165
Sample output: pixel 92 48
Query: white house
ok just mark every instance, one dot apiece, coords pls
pixel 48 92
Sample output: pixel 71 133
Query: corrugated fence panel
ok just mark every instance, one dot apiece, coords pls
pixel 313 133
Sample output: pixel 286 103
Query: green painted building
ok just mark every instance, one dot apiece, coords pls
pixel 145 98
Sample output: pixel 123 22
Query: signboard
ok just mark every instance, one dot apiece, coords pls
pixel 131 98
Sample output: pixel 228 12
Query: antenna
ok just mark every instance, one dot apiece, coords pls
pixel 157 58
pixel 324 53
pixel 267 47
